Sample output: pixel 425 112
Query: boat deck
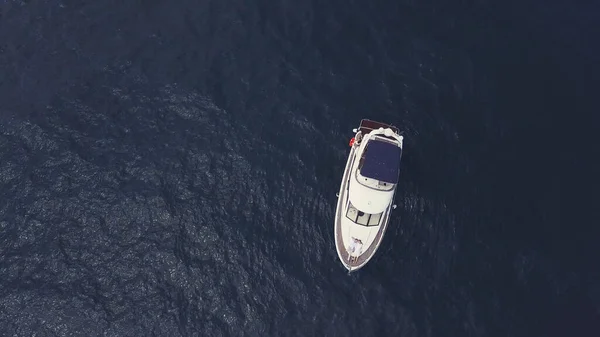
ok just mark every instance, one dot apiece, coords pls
pixel 341 248
pixel 367 125
pixel 366 255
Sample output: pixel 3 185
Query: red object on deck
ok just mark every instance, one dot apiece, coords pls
pixel 352 141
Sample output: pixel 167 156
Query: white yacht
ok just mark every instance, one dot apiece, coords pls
pixel 366 195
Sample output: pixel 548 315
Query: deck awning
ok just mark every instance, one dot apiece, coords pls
pixel 381 161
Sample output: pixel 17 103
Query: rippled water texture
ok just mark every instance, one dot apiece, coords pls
pixel 170 169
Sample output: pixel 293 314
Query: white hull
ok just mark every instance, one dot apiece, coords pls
pixel 363 209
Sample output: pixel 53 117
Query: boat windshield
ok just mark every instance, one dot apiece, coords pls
pixel 362 218
pixel 381 161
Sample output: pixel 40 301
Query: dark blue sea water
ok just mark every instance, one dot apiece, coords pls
pixel 169 168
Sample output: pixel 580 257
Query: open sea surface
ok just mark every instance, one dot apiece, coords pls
pixel 170 168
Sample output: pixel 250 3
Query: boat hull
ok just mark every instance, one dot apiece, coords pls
pixel 343 195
